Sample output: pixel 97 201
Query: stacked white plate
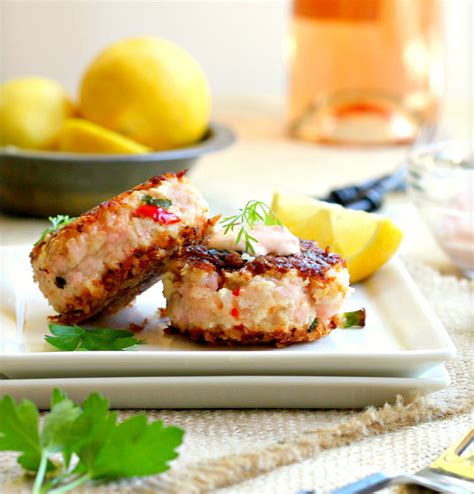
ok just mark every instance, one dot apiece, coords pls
pixel 401 351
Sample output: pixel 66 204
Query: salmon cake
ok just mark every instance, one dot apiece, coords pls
pixel 102 260
pixel 230 297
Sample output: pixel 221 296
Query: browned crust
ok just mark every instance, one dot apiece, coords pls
pixel 140 270
pixel 312 262
pixel 137 273
pixel 242 336
pixel 81 224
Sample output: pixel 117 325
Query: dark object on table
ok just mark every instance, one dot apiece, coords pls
pixel 369 195
pixel 41 183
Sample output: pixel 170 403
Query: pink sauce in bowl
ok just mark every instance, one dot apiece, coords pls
pixel 455 231
pixel 441 183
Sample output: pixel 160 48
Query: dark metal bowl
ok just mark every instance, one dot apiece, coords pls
pixel 40 183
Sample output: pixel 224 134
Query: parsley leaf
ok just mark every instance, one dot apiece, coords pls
pixel 57 223
pixel 93 427
pixel 161 203
pixel 131 448
pixel 58 434
pixel 19 431
pixel 104 449
pixel 71 338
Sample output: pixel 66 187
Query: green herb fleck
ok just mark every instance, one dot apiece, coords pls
pixel 57 223
pixel 313 325
pixel 72 338
pixel 253 213
pixel 160 203
pixel 101 448
pixel 353 319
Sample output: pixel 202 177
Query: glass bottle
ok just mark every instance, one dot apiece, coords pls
pixel 364 71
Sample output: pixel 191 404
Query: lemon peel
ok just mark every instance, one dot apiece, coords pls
pixel 366 240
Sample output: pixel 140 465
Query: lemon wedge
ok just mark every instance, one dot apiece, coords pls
pixel 80 136
pixel 366 240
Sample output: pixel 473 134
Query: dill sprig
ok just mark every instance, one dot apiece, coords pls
pixel 253 213
pixel 57 222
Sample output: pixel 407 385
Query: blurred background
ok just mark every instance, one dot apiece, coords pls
pixel 241 44
pixel 267 63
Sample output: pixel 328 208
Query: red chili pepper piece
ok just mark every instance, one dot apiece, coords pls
pixel 158 214
pixel 146 210
pixel 235 312
pixel 236 292
pixel 167 218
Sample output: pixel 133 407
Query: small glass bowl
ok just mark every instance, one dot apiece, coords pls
pixel 441 183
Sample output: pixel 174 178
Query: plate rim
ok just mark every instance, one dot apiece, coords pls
pixel 215 358
pixel 437 373
pixel 234 392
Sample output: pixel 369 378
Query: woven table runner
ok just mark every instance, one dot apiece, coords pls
pixel 283 451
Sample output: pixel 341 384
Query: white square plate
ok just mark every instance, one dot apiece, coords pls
pixel 402 337
pixel 232 391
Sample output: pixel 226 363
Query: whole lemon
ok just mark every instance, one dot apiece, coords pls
pixel 149 90
pixel 32 110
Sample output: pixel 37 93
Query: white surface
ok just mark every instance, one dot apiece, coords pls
pixel 232 391
pixel 402 337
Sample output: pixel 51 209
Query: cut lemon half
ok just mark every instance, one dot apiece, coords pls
pixel 366 240
pixel 80 136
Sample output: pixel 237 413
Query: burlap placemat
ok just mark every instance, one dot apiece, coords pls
pixel 282 451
